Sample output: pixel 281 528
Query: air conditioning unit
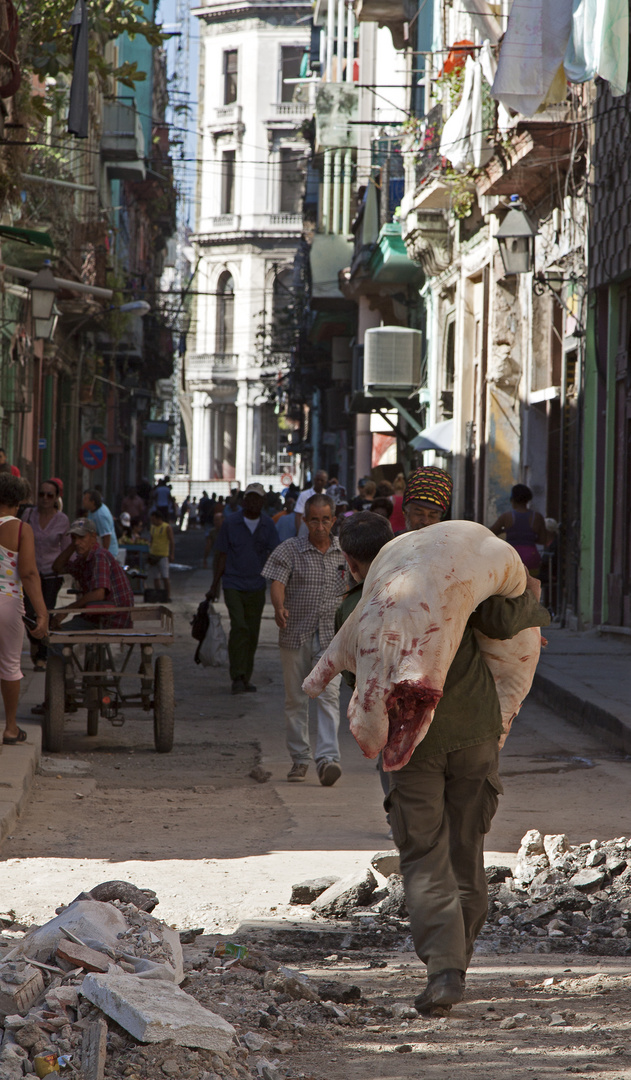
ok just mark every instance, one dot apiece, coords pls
pixel 392 361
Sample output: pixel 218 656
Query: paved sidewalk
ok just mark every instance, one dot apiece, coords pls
pixel 18 764
pixel 586 678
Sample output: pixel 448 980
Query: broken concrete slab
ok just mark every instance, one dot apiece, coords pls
pixel 349 892
pixel 153 1010
pixel 79 956
pixel 305 892
pixel 386 862
pixel 93 922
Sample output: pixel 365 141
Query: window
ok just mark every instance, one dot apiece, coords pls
pixel 230 76
pixel 291 57
pixel 292 177
pixel 282 336
pixel 224 338
pixel 447 393
pixel 227 181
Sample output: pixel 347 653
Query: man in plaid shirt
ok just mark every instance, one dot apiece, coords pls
pixel 99 576
pixel 308 577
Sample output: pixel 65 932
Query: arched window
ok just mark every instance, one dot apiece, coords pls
pixel 224 338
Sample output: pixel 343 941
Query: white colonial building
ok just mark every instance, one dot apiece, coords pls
pixel 251 182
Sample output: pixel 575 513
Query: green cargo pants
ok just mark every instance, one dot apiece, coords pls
pixel 440 809
pixel 245 610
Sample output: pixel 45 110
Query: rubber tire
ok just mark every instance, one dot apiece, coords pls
pixel 163 705
pixel 53 733
pixel 93 713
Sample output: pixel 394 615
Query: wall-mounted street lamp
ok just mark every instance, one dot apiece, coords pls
pixel 516 240
pixel 43 292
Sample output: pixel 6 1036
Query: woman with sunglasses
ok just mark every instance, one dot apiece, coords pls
pixel 50 530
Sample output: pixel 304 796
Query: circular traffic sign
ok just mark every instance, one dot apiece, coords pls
pixel 286 479
pixel 93 454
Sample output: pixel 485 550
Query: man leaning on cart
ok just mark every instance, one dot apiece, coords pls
pixel 102 582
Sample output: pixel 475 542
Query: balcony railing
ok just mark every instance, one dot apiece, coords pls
pixel 293 108
pixel 225 117
pixel 225 222
pixel 205 366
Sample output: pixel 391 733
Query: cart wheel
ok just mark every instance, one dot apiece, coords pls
pixel 92 693
pixel 163 705
pixel 55 700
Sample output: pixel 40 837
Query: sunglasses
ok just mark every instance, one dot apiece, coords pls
pixel 47 495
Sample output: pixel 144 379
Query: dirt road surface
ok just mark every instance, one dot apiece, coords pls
pixel 222 852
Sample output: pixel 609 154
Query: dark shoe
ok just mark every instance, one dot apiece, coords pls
pixel 38 710
pixel 238 686
pixel 443 990
pixel 328 772
pixel 11 740
pixel 251 689
pixel 297 773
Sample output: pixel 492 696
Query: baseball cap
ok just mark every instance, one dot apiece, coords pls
pixel 255 489
pixel 125 519
pixel 82 527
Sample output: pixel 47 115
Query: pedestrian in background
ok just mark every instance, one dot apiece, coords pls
pixel 18 570
pixel 161 552
pixel 101 515
pixel 246 539
pixel 319 483
pixel 523 528
pixel 285 522
pixel 50 534
pixel 133 505
pixel 308 576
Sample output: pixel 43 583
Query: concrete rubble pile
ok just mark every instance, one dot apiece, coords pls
pixel 558 898
pixel 94 994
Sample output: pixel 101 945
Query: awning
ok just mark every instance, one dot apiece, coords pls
pixel 27 236
pixel 438 437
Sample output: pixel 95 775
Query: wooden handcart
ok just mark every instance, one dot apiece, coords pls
pixel 96 672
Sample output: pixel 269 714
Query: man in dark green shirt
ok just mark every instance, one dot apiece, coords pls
pixel 442 802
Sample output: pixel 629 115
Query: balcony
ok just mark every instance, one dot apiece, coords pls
pixel 534 156
pixel 395 14
pixel 225 223
pixel 293 108
pixel 123 141
pixel 225 118
pixel 209 367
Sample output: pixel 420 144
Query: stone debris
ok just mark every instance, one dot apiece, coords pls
pixel 308 891
pixel 347 893
pixel 386 862
pixel 20 985
pixel 155 1010
pixel 260 774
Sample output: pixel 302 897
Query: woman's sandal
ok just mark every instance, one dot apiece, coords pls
pixel 9 740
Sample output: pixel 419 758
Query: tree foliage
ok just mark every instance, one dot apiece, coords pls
pixel 45 36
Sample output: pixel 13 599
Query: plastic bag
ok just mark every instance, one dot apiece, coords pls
pixel 213 651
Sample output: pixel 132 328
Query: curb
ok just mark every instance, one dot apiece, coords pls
pixel 18 765
pixel 583 713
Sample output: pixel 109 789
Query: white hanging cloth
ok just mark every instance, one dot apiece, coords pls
pixel 599 43
pixel 462 140
pixel 532 52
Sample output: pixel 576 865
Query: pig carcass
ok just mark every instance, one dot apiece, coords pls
pixel 405 631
